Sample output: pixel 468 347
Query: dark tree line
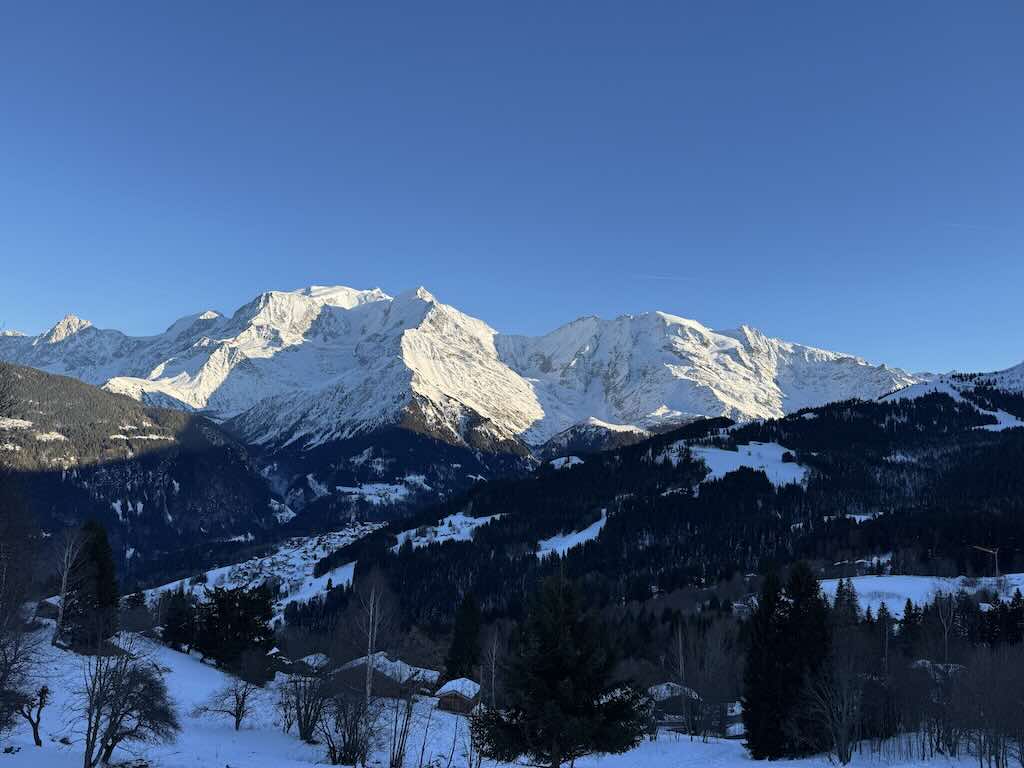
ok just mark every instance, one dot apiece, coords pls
pixel 943 679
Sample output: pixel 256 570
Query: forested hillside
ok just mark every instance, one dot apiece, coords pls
pixel 171 488
pixel 918 482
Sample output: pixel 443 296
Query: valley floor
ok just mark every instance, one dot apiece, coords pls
pixel 211 741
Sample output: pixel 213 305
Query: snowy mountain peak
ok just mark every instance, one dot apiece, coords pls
pixel 68 326
pixel 420 293
pixel 341 295
pixel 328 362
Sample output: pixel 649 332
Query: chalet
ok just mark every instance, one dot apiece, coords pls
pixel 460 695
pixel 393 674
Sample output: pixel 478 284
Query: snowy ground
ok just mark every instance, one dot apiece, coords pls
pixel 565 462
pixel 894 590
pixel 948 386
pixel 720 462
pixel 563 542
pixel 292 562
pixel 211 741
pixel 457 527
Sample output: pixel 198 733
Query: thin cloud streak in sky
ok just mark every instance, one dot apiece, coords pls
pixel 674 278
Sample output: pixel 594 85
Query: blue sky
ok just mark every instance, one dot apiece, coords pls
pixel 847 175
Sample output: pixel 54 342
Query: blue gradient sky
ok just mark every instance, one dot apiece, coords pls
pixel 848 175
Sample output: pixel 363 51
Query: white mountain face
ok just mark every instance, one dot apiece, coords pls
pixel 323 363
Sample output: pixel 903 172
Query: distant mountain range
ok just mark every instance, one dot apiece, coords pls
pixel 307 410
pixel 299 369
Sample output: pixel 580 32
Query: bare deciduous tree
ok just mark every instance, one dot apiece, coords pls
pixel 68 568
pixel 945 608
pixel 343 728
pixel 235 700
pixel 374 617
pixel 17 645
pixel 306 696
pixel 31 709
pixel 492 656
pixel 402 708
pixel 122 698
pixel 835 699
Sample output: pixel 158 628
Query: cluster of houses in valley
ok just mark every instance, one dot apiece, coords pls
pixel 390 678
pixel 675 707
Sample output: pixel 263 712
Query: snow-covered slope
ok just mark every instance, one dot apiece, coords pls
pixel 306 367
pixel 894 591
pixel 657 369
pixel 985 392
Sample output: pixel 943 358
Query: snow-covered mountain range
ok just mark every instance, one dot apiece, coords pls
pixel 303 368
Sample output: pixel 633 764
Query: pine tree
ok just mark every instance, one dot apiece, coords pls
pixel 846 609
pixel 910 629
pixel 180 619
pixel 90 616
pixel 562 703
pixel 884 624
pixel 232 621
pixel 464 653
pixel 807 644
pixel 789 642
pixel 762 675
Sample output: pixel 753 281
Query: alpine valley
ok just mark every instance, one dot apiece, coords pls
pixel 306 411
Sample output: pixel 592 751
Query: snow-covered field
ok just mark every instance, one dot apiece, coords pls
pixel 457 527
pixel 720 462
pixel 872 591
pixel 1010 380
pixel 210 741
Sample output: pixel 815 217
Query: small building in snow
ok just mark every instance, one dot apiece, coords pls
pixel 460 695
pixel 401 676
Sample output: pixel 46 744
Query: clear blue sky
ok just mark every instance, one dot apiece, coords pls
pixel 844 174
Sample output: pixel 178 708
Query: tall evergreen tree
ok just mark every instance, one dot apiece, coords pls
pixel 91 614
pixel 179 624
pixel 232 621
pixel 807 645
pixel 763 680
pixel 562 701
pixel 464 652
pixel 789 642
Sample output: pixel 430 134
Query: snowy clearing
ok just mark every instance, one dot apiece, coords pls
pixel 564 462
pixel 457 527
pixel 563 542
pixel 764 456
pixel 872 591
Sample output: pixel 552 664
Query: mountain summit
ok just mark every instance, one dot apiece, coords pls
pixel 323 363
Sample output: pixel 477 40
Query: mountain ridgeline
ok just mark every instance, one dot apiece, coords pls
pixel 336 388
pixel 640 455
